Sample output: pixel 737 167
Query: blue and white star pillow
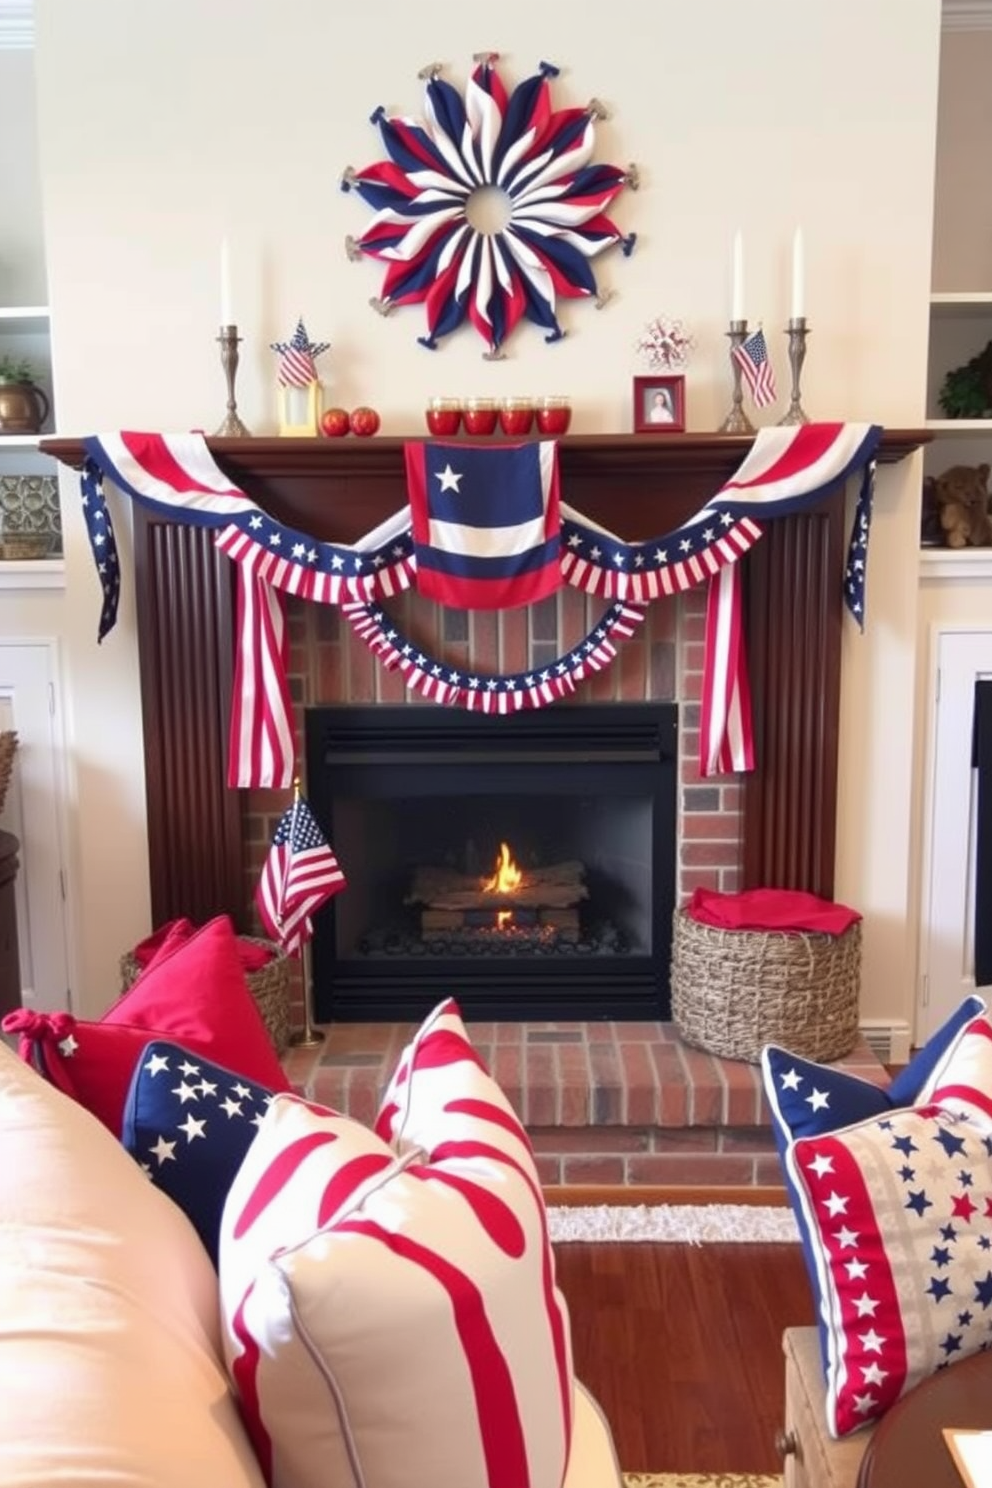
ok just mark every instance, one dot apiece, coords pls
pixel 899 1209
pixel 808 1100
pixel 189 1123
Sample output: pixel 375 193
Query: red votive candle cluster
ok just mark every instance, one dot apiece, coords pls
pixel 514 416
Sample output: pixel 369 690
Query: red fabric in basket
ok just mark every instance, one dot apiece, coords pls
pixel 165 939
pixel 770 909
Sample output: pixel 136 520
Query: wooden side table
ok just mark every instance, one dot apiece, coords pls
pixel 10 965
pixel 907 1445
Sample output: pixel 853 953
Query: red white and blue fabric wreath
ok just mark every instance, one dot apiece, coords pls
pixel 556 199
pixel 788 469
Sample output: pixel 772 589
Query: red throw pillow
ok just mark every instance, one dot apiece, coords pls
pixel 194 993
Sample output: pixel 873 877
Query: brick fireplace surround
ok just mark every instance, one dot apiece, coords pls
pixel 606 1102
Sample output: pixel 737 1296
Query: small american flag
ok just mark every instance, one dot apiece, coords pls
pixel 297 357
pixel 299 874
pixel 752 358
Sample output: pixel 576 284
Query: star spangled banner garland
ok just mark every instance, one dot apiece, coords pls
pixel 537 156
pixel 788 469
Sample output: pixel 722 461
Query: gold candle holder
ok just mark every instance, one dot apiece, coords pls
pixel 737 421
pixel 797 330
pixel 231 426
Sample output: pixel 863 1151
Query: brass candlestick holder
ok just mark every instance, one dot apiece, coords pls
pixel 231 427
pixel 737 421
pixel 797 331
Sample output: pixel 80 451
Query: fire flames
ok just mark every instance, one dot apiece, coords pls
pixel 507 878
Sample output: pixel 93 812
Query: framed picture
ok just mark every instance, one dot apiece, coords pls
pixel 659 404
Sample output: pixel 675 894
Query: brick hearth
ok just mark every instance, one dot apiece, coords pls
pixel 605 1103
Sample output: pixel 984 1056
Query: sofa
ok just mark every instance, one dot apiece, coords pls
pixel 111 1349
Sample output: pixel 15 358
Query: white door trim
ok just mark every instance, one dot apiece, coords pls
pixel 36 811
pixel 948 811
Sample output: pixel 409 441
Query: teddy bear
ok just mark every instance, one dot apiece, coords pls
pixel 962 499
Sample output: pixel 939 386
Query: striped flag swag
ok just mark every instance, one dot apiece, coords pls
pixel 299 874
pixel 788 469
pixel 175 476
pixel 511 545
pixel 726 739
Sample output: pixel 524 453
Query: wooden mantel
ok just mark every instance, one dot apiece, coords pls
pixel 639 486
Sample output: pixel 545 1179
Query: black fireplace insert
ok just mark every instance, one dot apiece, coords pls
pixel 522 864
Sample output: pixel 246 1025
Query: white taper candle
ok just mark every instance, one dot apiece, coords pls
pixel 737 285
pixel 226 312
pixel 798 275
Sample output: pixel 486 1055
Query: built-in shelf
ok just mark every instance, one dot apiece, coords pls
pixel 961 302
pixel 21 441
pixel 32 573
pixel 24 319
pixel 956 563
pixel 960 426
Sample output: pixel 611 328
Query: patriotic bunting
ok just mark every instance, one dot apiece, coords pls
pixel 456 539
pixel 539 157
pixel 488 694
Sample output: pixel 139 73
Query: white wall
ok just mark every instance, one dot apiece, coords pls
pixel 163 128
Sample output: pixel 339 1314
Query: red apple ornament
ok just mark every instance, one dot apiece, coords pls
pixel 364 421
pixel 334 422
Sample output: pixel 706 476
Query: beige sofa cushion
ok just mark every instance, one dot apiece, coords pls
pixel 108 1314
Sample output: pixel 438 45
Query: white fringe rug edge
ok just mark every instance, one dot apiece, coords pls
pixel 687 1224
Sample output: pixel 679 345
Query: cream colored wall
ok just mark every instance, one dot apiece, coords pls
pixel 163 128
pixel 962 238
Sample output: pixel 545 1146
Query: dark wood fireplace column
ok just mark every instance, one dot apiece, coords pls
pixel 640 486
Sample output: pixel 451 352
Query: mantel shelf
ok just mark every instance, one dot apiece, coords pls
pixel 717 455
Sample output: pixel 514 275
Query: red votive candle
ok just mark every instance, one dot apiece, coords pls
pixel 479 415
pixel 516 415
pixel 553 415
pixel 443 415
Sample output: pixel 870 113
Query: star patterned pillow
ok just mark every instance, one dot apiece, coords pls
pixel 189 1123
pixel 899 1210
pixel 809 1099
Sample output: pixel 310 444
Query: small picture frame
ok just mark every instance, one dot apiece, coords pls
pixel 659 404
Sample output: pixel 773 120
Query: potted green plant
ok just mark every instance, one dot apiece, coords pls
pixel 966 391
pixel 23 404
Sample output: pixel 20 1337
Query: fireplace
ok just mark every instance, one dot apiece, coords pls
pixel 423 807
pixel 206 843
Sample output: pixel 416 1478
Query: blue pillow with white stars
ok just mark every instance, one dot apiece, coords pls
pixel 189 1123
pixel 898 1210
pixel 808 1099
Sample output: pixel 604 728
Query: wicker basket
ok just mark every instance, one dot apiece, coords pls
pixel 733 991
pixel 269 987
pixel 8 748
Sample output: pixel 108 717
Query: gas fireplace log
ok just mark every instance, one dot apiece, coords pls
pixel 540 897
pixel 557 885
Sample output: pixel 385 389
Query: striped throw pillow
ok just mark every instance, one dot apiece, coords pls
pixel 390 1311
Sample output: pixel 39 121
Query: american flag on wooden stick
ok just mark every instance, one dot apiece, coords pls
pixel 299 874
pixel 752 358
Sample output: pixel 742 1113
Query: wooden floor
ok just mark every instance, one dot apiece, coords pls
pixel 682 1347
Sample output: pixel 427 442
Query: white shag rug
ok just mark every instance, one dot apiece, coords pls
pixel 690 1224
